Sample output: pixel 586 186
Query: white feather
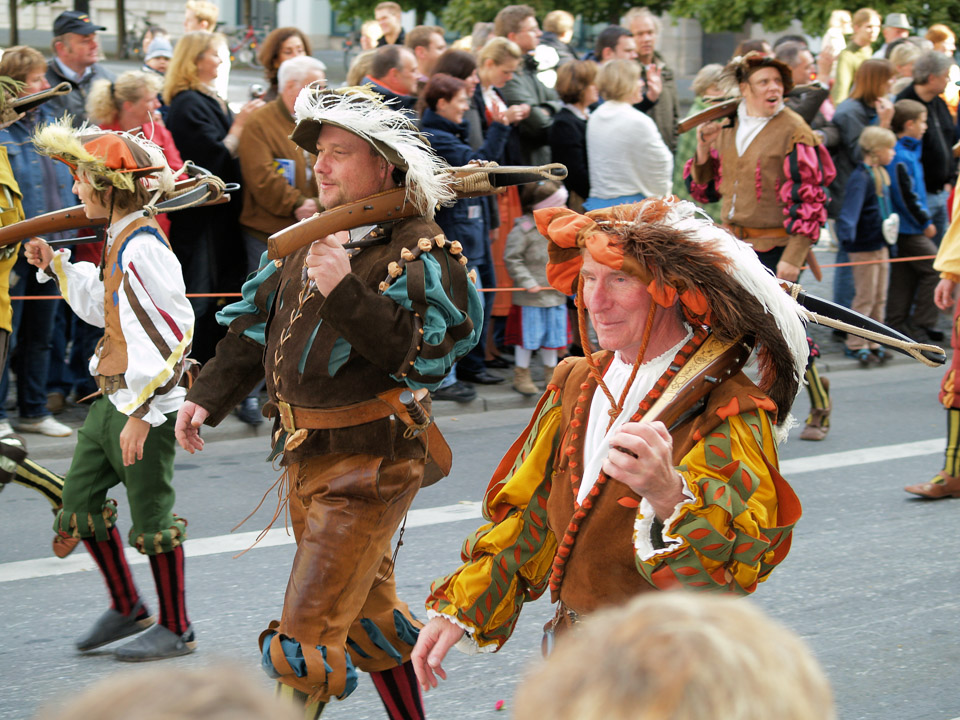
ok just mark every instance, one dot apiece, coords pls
pixel 427 184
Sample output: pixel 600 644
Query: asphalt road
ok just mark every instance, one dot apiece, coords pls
pixel 871 582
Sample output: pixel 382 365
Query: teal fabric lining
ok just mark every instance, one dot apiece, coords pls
pixel 379 639
pixel 247 306
pixel 441 314
pixel 338 356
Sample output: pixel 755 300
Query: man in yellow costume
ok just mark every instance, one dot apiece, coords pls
pixel 597 500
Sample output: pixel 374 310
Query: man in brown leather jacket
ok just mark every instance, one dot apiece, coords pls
pixel 340 332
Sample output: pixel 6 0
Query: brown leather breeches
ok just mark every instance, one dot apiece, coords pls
pixel 341 596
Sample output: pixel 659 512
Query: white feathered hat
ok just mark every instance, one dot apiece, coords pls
pixel 362 112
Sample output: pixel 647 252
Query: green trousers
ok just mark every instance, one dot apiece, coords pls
pixel 98 466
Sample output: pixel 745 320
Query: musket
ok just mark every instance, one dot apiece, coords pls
pixel 723 108
pixel 15 106
pixel 191 192
pixel 824 312
pixel 392 205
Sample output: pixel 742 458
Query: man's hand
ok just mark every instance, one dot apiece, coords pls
pixel 38 253
pixel 943 294
pixel 434 642
pixel 327 261
pixel 132 438
pixel 654 82
pixel 788 271
pixel 307 210
pixel 187 430
pixel 641 457
pixel 517 113
pixel 930 231
pixel 706 135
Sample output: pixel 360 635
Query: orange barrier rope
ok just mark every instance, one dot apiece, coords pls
pixel 510 289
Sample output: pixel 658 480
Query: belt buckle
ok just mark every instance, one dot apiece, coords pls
pixel 286 417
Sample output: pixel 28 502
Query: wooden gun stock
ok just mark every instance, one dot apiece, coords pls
pixel 391 205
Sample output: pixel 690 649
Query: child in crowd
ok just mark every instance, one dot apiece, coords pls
pixel 912 283
pixel 538 317
pixel 137 295
pixel 860 230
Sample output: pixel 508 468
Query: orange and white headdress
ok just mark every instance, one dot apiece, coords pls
pixel 685 259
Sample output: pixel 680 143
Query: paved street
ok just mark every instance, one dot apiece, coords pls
pixel 871 581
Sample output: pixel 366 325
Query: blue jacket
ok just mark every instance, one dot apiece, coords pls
pixel 907 188
pixel 469 220
pixel 859 224
pixel 27 165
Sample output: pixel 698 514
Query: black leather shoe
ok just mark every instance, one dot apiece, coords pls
pixel 249 411
pixel 112 626
pixel 499 362
pixel 481 378
pixel 158 643
pixel 460 392
pixel 934 334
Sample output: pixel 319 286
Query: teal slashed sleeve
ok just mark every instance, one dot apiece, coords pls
pixel 250 312
pixel 437 289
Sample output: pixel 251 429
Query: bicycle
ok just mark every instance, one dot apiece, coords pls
pixel 133 47
pixel 244 42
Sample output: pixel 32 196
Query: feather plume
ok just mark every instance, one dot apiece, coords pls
pixel 365 115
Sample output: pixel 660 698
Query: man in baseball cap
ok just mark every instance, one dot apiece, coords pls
pixel 76 51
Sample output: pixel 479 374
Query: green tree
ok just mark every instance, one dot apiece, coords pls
pixel 361 10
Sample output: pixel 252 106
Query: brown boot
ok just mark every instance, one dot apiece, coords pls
pixel 941 486
pixel 523 383
pixel 818 423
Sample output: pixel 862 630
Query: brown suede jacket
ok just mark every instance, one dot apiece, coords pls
pixel 328 352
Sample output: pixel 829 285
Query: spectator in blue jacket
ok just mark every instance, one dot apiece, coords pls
pixel 860 230
pixel 912 283
pixel 46 185
pixel 469 220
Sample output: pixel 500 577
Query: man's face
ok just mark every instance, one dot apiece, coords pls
pixel 626 49
pixel 404 78
pixel 347 169
pixel 763 92
pixel 427 56
pixel 79 51
pixel 389 23
pixel 190 21
pixel 293 87
pixel 893 34
pixel 938 83
pixel 645 37
pixel 618 304
pixel 867 33
pixel 528 35
pixel 805 70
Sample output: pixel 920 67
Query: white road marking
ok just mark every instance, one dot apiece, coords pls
pixel 862 456
pixel 80 561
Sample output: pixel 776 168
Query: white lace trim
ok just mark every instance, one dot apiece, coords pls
pixel 645 517
pixel 467 644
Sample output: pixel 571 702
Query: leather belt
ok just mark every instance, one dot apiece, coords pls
pixel 109 384
pixel 748 233
pixel 297 420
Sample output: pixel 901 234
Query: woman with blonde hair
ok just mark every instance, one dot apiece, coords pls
pixel 281 44
pixel 206 239
pixel 131 102
pixel 627 157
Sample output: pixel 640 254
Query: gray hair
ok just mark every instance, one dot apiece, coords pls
pixel 929 64
pixel 641 12
pixel 789 52
pixel 296 69
pixel 708 75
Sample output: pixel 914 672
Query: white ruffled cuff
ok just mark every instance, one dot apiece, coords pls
pixel 467 644
pixel 643 525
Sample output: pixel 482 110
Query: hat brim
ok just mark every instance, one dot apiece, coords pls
pixel 307 132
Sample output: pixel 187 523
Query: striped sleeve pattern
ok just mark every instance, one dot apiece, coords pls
pixel 157 322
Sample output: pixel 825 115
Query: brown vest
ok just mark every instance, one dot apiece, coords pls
pixel 750 183
pixel 112 348
pixel 601 567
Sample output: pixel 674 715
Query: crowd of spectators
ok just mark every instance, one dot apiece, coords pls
pixel 510 94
